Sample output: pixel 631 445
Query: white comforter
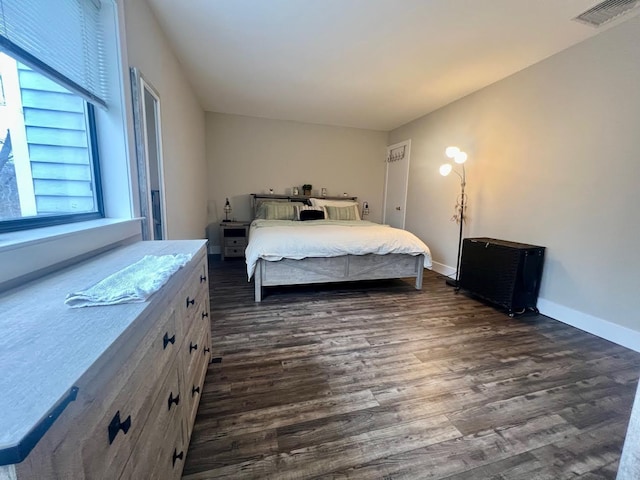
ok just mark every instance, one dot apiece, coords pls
pixel 274 240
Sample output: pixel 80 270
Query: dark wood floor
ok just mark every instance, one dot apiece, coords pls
pixel 381 381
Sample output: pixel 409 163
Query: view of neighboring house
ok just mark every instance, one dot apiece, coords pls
pixel 45 158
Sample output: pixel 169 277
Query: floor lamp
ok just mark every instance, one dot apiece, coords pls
pixel 458 157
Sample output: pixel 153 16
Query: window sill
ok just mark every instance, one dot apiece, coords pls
pixel 27 254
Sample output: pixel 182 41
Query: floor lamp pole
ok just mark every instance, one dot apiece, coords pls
pixel 451 282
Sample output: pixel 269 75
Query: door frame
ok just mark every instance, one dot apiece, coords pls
pixel 390 148
pixel 139 84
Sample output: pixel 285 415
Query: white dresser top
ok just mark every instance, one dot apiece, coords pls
pixel 45 346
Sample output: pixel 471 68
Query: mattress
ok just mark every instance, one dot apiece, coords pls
pixel 273 240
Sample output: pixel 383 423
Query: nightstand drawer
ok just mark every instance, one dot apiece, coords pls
pixel 234 251
pixel 235 242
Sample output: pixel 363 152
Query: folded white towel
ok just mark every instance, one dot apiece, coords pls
pixel 135 283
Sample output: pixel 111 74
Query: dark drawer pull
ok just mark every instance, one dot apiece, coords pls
pixel 205 314
pixel 173 400
pixel 177 456
pixel 206 350
pixel 203 278
pixel 190 302
pixel 192 346
pixel 116 425
pixel 166 340
pixel 195 390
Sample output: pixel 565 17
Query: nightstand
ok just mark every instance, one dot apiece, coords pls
pixel 233 239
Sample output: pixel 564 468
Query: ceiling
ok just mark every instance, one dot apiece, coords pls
pixel 374 64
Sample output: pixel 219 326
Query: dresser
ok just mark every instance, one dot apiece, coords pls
pixel 103 392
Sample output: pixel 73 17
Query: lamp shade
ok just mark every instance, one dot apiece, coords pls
pixel 445 169
pixel 451 152
pixel 460 157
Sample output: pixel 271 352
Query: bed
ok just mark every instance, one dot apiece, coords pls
pixel 283 250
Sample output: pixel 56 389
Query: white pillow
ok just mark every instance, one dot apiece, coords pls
pixel 321 202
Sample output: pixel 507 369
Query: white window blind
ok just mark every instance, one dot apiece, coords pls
pixel 63 39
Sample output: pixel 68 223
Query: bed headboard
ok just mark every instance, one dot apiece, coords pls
pixel 256 198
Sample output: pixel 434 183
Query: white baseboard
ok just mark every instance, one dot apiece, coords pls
pixel 443 269
pixel 597 326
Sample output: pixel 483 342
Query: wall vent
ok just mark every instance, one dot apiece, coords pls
pixel 606 11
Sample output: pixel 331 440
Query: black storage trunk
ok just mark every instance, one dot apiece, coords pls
pixel 504 273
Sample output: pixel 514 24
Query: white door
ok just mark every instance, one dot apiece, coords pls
pixel 396 182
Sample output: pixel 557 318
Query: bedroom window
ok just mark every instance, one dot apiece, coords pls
pixel 48 168
pixel 51 79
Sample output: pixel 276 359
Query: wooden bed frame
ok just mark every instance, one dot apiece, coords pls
pixel 346 268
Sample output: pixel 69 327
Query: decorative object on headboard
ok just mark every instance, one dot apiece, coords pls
pixel 227 210
pixel 365 209
pixel 458 157
pixel 323 192
pixel 306 189
pixel 295 191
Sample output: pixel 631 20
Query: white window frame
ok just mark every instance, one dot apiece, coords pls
pixel 28 254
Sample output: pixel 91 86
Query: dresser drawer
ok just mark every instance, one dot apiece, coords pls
pixel 119 422
pixel 235 242
pixel 163 434
pixel 192 307
pixel 192 297
pixel 192 350
pixel 171 457
pixel 196 374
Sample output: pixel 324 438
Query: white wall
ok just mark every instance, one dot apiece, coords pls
pixel 251 155
pixel 183 122
pixel 554 160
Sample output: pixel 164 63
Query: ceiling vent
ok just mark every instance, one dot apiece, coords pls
pixel 606 11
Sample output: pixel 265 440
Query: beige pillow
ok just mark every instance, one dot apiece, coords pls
pixel 277 210
pixel 342 213
pixel 321 202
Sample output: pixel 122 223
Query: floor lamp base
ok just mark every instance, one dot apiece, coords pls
pixel 452 282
